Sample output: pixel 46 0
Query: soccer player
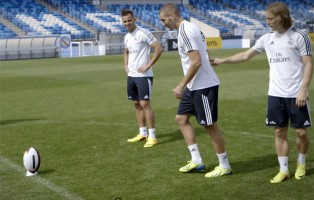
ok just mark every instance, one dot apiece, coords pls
pixel 138 66
pixel 197 91
pixel 289 56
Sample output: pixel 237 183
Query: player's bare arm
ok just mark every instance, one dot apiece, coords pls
pixel 240 57
pixel 126 58
pixel 158 50
pixel 195 65
pixel 307 76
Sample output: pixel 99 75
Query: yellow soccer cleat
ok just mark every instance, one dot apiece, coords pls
pixel 191 166
pixel 300 172
pixel 280 177
pixel 150 142
pixel 137 138
pixel 218 171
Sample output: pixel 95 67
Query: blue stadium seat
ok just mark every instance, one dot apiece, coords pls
pixel 225 15
pixel 32 17
pixel 5 32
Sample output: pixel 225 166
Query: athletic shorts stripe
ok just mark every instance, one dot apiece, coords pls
pixel 202 103
pixel 207 110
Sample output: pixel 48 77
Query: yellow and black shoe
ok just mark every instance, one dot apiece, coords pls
pixel 300 172
pixel 137 138
pixel 280 177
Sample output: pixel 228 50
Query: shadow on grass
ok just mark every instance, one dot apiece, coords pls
pixel 255 164
pixel 248 166
pixel 47 171
pixel 170 137
pixel 310 172
pixel 15 121
pixel 262 163
pixel 177 135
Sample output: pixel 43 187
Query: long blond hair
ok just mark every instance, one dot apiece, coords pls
pixel 281 9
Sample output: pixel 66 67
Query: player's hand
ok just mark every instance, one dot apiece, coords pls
pixel 143 69
pixel 301 99
pixel 216 61
pixel 177 92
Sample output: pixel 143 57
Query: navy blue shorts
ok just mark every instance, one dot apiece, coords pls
pixel 281 110
pixel 139 88
pixel 203 104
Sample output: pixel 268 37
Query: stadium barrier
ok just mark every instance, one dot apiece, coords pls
pixel 114 43
pixel 29 47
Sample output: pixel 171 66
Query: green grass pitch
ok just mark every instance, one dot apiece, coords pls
pixel 76 113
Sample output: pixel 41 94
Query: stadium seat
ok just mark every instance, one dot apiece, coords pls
pixel 225 15
pixel 5 32
pixel 34 18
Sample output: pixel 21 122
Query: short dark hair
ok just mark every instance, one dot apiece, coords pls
pixel 170 8
pixel 125 12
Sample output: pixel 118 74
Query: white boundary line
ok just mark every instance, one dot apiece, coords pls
pixel 41 181
pixel 250 134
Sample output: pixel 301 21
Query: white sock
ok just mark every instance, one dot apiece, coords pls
pixel 283 162
pixel 223 160
pixel 301 158
pixel 195 154
pixel 143 131
pixel 151 133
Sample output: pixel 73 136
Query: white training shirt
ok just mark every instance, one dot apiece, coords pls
pixel 191 38
pixel 284 52
pixel 138 43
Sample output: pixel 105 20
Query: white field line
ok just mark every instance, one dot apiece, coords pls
pixel 78 123
pixel 257 135
pixel 41 181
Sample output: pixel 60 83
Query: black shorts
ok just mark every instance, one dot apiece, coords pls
pixel 281 110
pixel 139 88
pixel 203 104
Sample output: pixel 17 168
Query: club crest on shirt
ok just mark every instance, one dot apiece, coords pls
pixel 290 42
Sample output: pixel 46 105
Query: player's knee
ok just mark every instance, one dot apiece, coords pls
pixel 137 105
pixel 181 120
pixel 145 105
pixel 301 132
pixel 281 132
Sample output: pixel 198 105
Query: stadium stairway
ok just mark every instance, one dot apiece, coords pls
pixel 9 25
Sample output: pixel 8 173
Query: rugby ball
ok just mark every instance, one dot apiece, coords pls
pixel 31 160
